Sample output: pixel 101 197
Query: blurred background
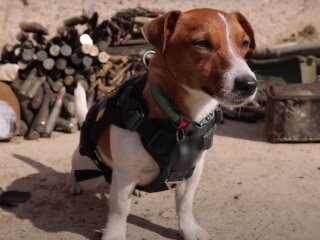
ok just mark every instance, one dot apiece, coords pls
pixel 273 21
pixel 261 179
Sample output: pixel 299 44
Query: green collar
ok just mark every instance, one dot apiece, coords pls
pixel 182 123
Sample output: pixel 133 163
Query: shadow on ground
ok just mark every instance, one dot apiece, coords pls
pixel 52 209
pixel 241 130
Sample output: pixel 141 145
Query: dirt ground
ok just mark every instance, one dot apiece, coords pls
pixel 250 190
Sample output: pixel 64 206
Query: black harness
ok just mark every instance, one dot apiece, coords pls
pixel 175 152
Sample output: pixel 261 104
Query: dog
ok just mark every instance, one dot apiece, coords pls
pixel 199 63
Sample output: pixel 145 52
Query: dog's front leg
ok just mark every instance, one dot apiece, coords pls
pixel 123 184
pixel 184 201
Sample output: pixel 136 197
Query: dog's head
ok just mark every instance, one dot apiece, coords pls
pixel 204 49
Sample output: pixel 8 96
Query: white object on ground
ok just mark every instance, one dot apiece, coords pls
pixel 8 72
pixel 7 121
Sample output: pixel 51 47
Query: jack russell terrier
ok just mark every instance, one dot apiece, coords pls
pixel 152 133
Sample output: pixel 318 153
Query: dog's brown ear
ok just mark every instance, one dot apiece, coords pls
pixel 159 30
pixel 247 28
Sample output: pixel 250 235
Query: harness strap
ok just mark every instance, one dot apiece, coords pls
pixel 104 170
pixel 176 157
pixel 86 174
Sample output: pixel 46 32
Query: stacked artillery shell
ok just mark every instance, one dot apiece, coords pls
pixel 100 58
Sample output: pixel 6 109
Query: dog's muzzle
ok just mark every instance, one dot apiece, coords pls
pixel 245 86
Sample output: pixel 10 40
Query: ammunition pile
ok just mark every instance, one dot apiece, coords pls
pixel 99 55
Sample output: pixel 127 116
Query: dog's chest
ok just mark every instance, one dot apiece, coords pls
pixel 129 153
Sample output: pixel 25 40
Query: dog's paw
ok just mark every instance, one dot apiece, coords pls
pixel 192 231
pixel 73 186
pixel 115 231
pixel 139 193
pixel 113 237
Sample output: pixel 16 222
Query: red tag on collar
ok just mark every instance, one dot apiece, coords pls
pixel 183 124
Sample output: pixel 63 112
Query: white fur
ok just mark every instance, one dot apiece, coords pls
pixel 238 65
pixel 128 154
pixel 184 201
pixel 199 103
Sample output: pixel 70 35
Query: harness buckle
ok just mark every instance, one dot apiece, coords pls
pixel 133 119
pixel 173 184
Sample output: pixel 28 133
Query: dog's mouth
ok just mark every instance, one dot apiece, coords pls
pixel 229 99
pixel 235 100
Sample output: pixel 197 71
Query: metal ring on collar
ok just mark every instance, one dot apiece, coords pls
pixel 180 134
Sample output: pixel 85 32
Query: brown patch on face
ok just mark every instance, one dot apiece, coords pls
pixel 204 67
pixel 242 34
pixel 246 26
pixel 158 31
pixel 192 65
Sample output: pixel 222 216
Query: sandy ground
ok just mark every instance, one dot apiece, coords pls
pixel 250 190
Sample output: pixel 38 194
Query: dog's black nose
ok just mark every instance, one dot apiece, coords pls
pixel 245 85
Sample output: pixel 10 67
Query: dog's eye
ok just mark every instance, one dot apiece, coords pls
pixel 203 44
pixel 245 43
